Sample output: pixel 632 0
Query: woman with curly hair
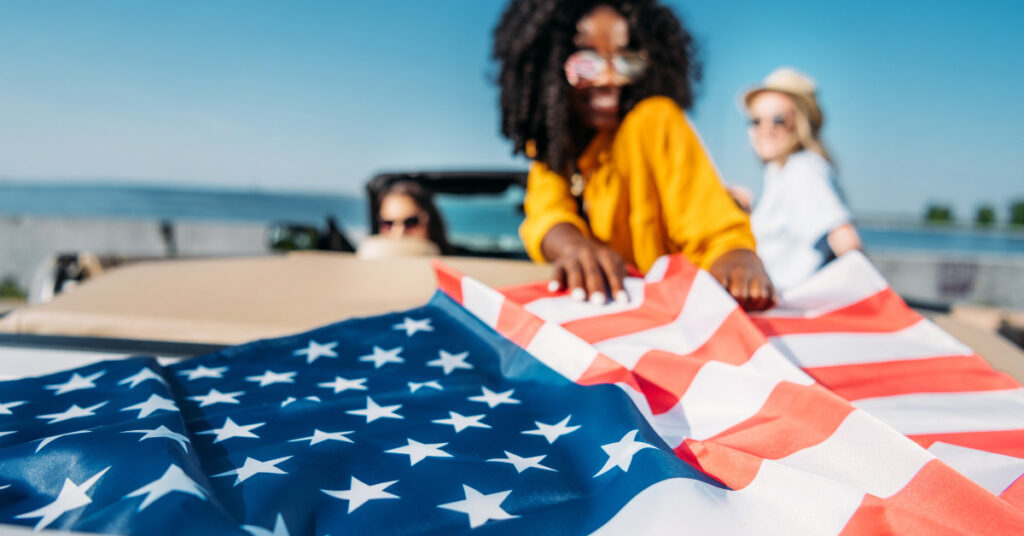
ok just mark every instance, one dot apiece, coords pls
pixel 594 93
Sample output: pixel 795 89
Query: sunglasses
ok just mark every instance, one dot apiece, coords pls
pixel 777 121
pixel 407 223
pixel 587 66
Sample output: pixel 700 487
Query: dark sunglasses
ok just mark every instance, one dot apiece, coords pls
pixel 410 222
pixel 777 121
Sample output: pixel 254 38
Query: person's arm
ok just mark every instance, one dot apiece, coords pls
pixel 843 239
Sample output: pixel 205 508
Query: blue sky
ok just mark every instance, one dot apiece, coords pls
pixel 920 97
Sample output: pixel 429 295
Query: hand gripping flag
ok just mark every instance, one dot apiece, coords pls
pixel 728 400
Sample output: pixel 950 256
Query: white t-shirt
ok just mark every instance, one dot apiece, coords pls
pixel 800 205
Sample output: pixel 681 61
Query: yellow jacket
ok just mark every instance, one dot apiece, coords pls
pixel 650 190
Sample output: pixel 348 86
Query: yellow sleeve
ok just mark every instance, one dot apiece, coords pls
pixel 699 215
pixel 548 202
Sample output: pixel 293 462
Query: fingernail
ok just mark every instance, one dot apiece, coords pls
pixel 553 286
pixel 621 297
pixel 578 294
pixel 597 298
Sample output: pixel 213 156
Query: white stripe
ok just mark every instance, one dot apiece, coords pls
pixel 482 301
pixel 922 340
pixel 658 270
pixel 564 352
pixel 865 454
pixel 561 309
pixel 939 413
pixel 706 307
pixel 843 282
pixel 994 472
pixel 769 361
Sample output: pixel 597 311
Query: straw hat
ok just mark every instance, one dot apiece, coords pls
pixel 795 84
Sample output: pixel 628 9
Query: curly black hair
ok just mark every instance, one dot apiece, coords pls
pixel 532 42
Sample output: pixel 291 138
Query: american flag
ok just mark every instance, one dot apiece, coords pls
pixel 738 398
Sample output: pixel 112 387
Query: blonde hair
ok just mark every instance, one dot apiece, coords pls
pixel 807 134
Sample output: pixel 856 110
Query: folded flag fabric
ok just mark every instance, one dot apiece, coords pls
pixel 727 400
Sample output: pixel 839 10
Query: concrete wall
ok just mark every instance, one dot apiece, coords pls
pixel 993 281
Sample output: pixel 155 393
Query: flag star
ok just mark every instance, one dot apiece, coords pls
pixel 74 412
pixel 203 372
pixel 449 362
pixel 521 464
pixel 173 479
pixel 291 399
pixel 230 429
pixel 161 431
pixel 342 384
pixel 270 377
pixel 411 327
pixel 7 432
pixel 461 422
pixel 142 375
pixel 217 397
pixel 77 382
pixel 551 432
pixel 374 412
pixel 5 407
pixel 620 454
pixel 479 507
pixel 51 439
pixel 416 386
pixel 5 486
pixel 253 467
pixel 358 493
pixel 320 437
pixel 280 529
pixel 316 350
pixel 152 404
pixel 71 496
pixel 493 399
pixel 381 357
pixel 417 451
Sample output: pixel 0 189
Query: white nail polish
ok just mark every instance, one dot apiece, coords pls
pixel 578 294
pixel 597 298
pixel 553 286
pixel 621 297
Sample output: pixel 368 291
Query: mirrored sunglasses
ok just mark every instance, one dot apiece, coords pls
pixel 588 66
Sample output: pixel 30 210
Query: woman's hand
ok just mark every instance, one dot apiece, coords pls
pixel 741 273
pixel 585 267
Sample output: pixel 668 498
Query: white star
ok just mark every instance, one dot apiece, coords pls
pixel 5 486
pixel 76 383
pixel 152 404
pixel 270 377
pixel 450 362
pixel 253 467
pixel 203 372
pixel 217 397
pixel 74 412
pixel 280 529
pixel 493 399
pixel 416 386
pixel 374 412
pixel 479 507
pixel 316 350
pixel 291 399
pixel 381 357
pixel 161 431
pixel 551 432
pixel 7 432
pixel 5 407
pixel 620 454
pixel 342 384
pixel 411 326
pixel 359 493
pixel 418 451
pixel 71 496
pixel 51 439
pixel 142 375
pixel 320 437
pixel 173 479
pixel 461 422
pixel 230 429
pixel 521 464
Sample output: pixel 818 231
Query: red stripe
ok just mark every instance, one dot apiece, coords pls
pixel 662 303
pixel 933 375
pixel 449 280
pixel 936 501
pixel 606 370
pixel 883 312
pixel 528 292
pixel 1014 494
pixel 1008 442
pixel 516 324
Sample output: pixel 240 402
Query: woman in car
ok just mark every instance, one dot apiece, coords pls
pixel 594 93
pixel 404 209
